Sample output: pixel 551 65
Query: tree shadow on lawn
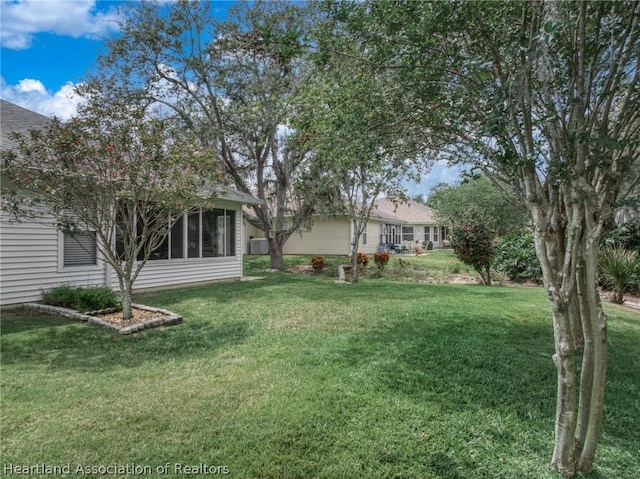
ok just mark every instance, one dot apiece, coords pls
pixel 29 336
pixel 65 344
pixel 18 320
pixel 504 370
pixel 464 366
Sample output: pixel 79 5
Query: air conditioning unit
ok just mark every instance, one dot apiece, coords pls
pixel 259 246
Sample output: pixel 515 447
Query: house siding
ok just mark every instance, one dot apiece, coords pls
pixel 29 263
pixel 328 236
pixel 373 238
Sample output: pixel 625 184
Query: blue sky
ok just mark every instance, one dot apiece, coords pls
pixel 47 47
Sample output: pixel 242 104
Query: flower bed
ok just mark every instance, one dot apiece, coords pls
pixel 144 317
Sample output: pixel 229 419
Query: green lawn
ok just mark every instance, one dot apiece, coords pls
pixel 436 265
pixel 295 376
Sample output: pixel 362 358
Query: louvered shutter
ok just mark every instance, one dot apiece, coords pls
pixel 80 249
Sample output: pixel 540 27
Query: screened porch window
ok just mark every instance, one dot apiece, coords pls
pixel 204 234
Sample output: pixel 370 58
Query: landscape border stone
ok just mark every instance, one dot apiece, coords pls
pixel 169 318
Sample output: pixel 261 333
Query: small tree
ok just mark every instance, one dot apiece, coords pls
pixel 349 118
pixel 114 172
pixel 473 245
pixel 478 199
pixel 516 257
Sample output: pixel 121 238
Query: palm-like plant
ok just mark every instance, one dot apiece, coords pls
pixel 620 268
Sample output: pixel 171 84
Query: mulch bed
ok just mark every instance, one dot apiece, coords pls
pixel 144 317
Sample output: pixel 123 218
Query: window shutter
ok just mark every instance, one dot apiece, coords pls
pixel 80 249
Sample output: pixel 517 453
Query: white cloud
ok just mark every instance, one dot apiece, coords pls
pixel 28 85
pixel 33 95
pixel 22 19
pixel 440 172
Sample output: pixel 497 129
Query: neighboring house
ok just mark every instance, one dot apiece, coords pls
pixel 418 224
pixel 391 226
pixel 203 246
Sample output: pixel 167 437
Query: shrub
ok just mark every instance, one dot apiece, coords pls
pixel 65 296
pixel 92 299
pixel 318 263
pixel 516 257
pixel 363 260
pixel 473 245
pixel 81 299
pixel 429 245
pixel 381 260
pixel 402 266
pixel 625 236
pixel 620 268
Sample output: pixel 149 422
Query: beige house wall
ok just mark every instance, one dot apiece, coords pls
pixel 328 236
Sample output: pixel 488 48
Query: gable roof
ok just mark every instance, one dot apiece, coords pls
pixel 229 194
pixel 14 118
pixel 410 213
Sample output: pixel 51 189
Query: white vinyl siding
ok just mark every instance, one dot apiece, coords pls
pixel 31 263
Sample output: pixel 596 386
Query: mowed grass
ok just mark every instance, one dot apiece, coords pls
pixel 295 376
pixel 434 266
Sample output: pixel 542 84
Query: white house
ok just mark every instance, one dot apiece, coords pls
pixel 203 246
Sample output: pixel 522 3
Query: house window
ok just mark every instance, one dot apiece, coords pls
pixel 407 233
pixel 435 234
pixel 394 234
pixel 176 239
pixel 427 233
pixel 364 236
pixel 79 249
pixel 193 235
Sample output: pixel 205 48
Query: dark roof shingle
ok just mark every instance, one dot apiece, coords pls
pixel 14 118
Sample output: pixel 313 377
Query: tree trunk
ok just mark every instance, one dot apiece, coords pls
pixel 275 254
pixel 126 289
pixel 576 324
pixel 487 272
pixel 575 299
pixel 595 389
pixel 563 459
pixel 354 262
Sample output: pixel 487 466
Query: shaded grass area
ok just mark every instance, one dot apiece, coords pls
pixel 297 377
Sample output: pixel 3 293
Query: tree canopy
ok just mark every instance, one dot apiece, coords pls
pixel 232 82
pixel 115 173
pixel 544 96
